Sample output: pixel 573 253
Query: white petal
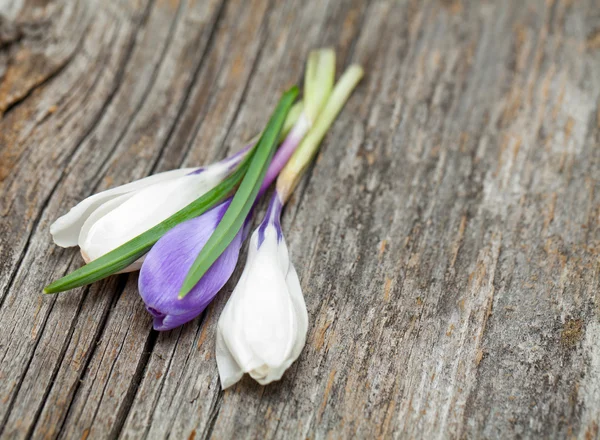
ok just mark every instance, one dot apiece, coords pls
pixel 96 215
pixel 264 323
pixel 99 213
pixel 65 230
pixel 270 329
pixel 144 209
pixel 295 290
pixel 229 370
pixel 298 318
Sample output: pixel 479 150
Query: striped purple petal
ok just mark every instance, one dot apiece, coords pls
pixel 272 217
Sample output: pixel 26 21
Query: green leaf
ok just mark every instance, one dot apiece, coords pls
pixel 244 198
pixel 121 257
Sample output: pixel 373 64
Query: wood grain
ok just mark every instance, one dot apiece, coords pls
pixel 447 236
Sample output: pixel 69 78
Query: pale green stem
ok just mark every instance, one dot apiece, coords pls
pixel 318 81
pixel 291 173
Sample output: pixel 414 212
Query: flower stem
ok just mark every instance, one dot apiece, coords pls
pixel 285 151
pixel 318 81
pixel 296 166
pixel 318 84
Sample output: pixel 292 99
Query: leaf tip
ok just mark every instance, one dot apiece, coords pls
pixel 294 90
pixel 182 293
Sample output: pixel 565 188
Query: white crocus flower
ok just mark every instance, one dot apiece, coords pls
pixel 263 327
pixel 65 230
pixel 111 218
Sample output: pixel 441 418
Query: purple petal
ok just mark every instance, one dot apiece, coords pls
pixel 231 162
pixel 168 262
pixel 284 152
pixel 272 216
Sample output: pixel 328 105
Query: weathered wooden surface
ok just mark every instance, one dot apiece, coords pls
pixel 447 238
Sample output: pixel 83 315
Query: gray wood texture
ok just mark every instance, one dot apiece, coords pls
pixel 447 237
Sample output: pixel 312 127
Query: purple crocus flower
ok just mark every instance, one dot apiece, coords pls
pixel 168 262
pixel 170 259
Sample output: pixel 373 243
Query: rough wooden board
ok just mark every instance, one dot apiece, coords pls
pixel 446 238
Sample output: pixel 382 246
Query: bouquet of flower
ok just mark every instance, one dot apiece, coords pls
pixel 183 230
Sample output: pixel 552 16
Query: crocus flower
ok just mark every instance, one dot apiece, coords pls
pixel 168 262
pixel 108 219
pixel 65 230
pixel 182 244
pixel 263 327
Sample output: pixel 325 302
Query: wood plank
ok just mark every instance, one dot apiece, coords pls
pixel 446 238
pixel 78 101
